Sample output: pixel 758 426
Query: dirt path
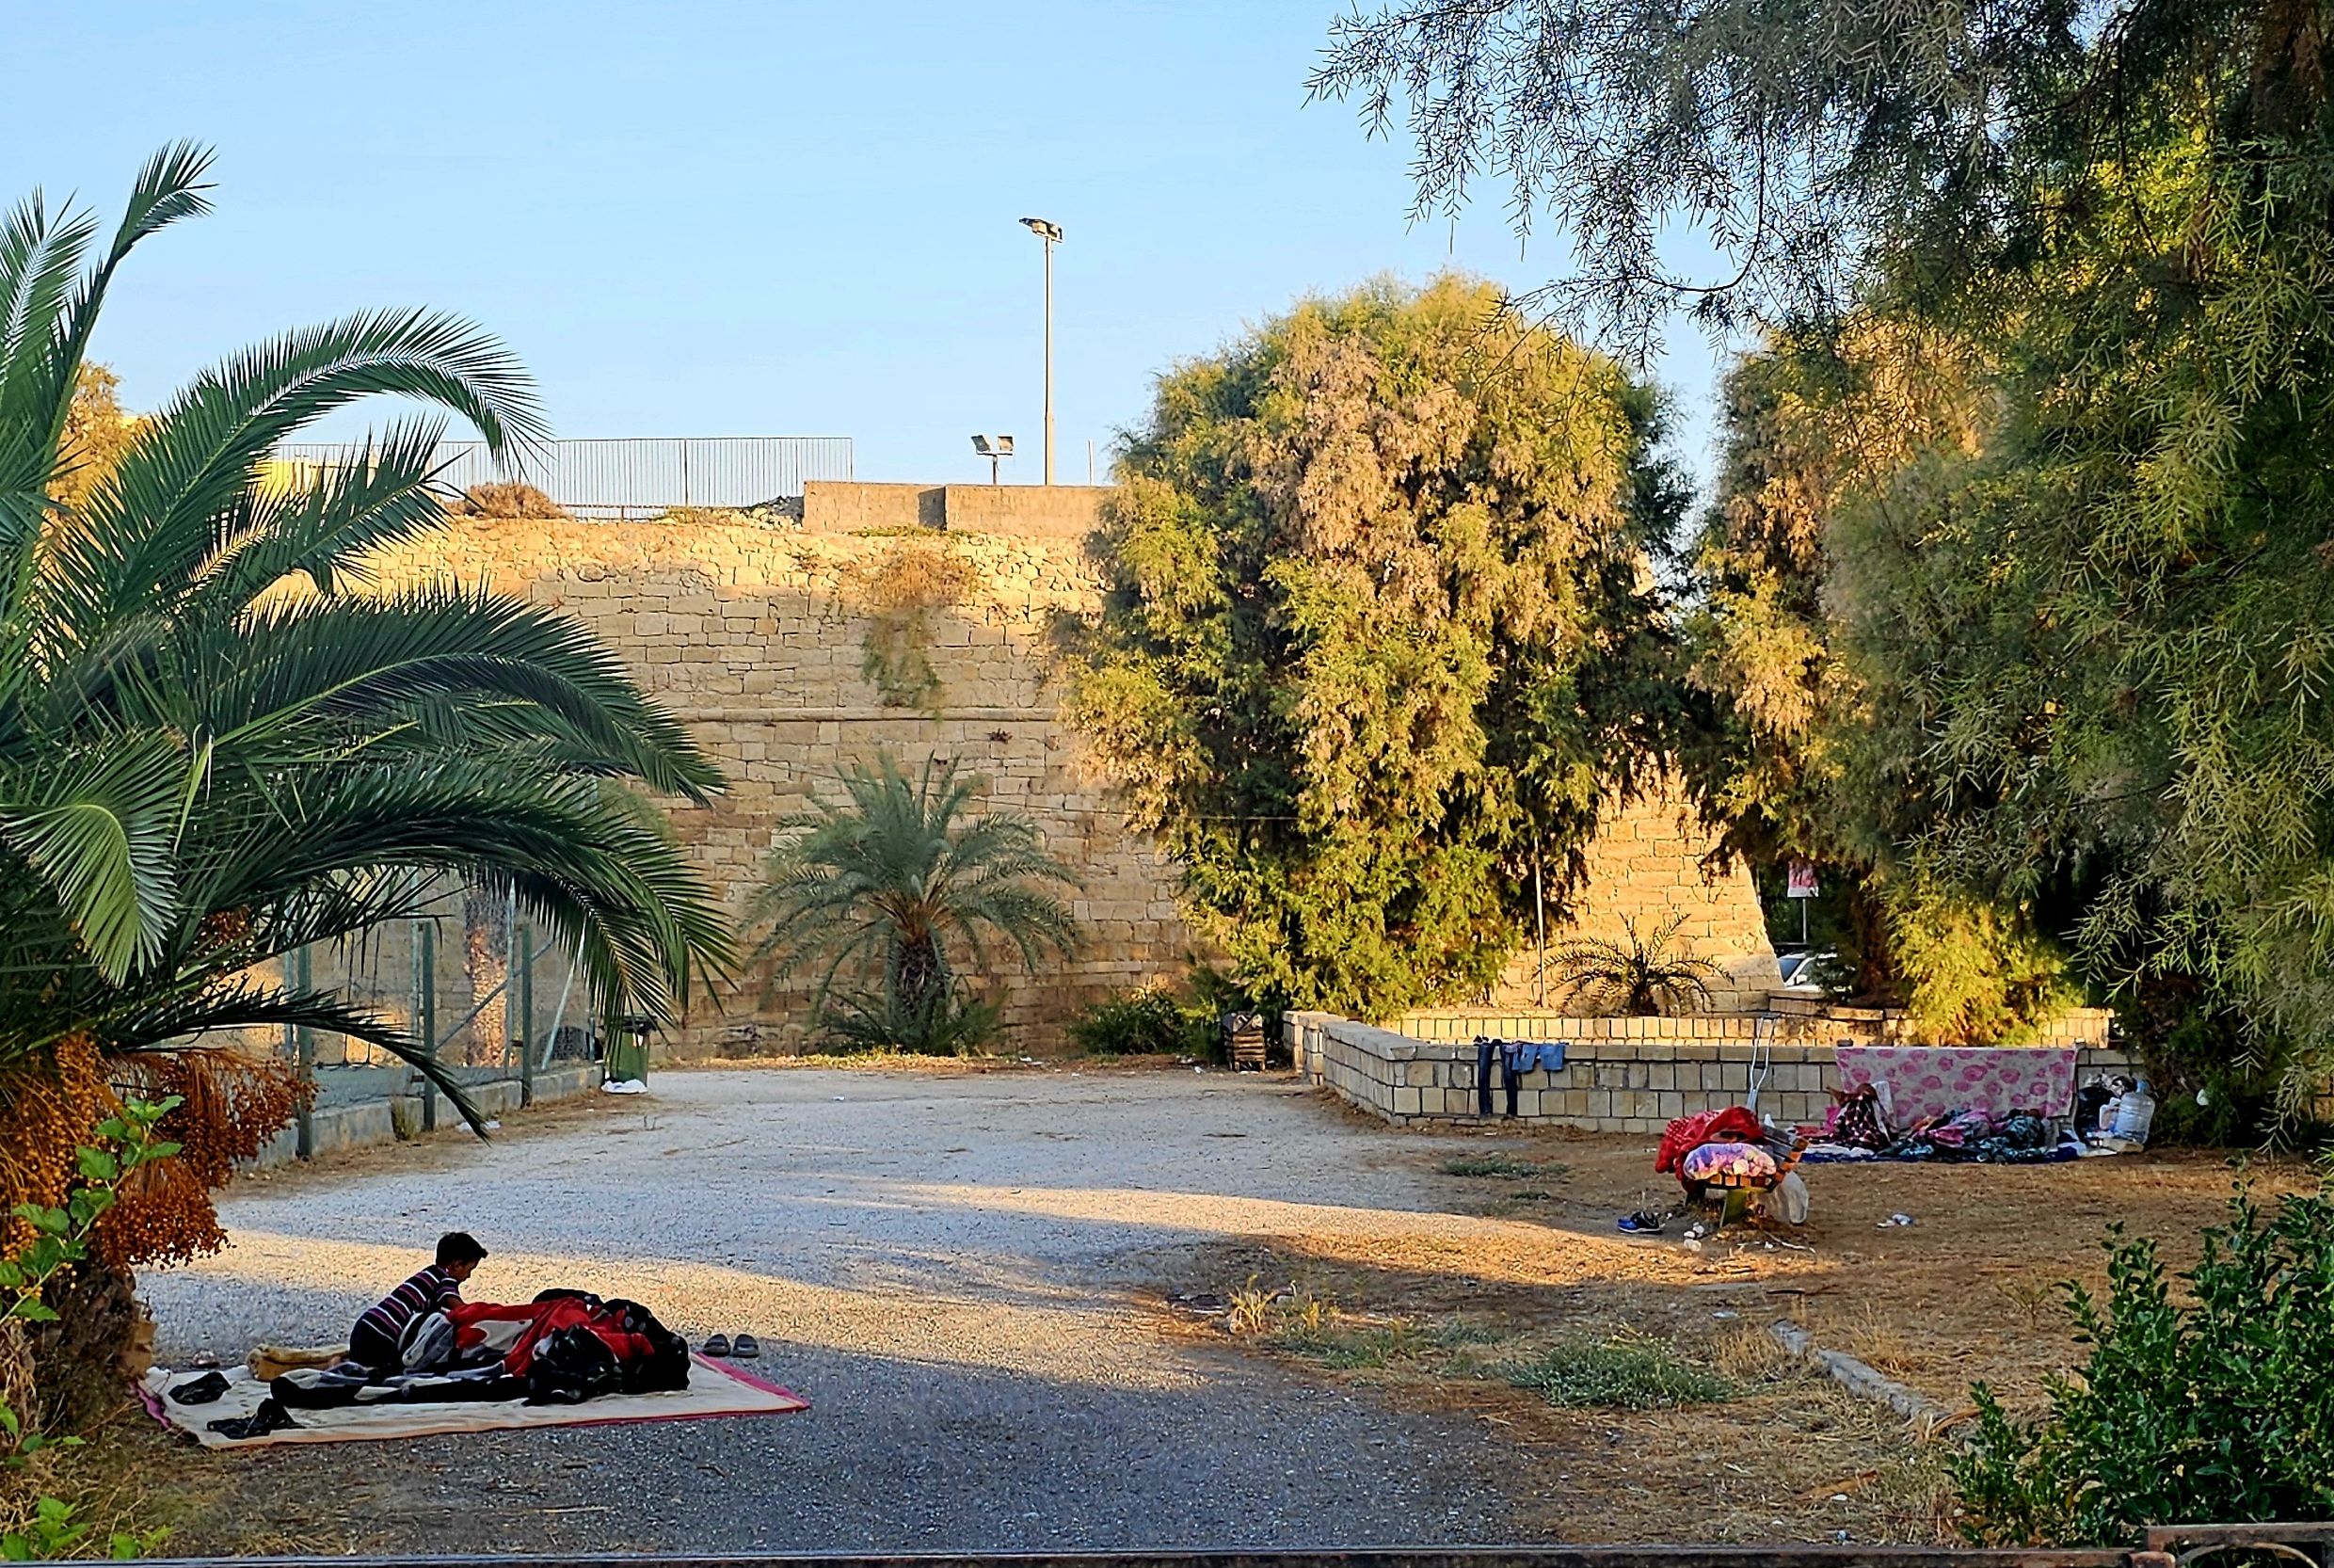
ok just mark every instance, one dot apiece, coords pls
pixel 941 1264
pixel 967 1273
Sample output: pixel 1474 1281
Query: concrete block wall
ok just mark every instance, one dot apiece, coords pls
pixel 1067 512
pixel 1622 1081
pixel 336 1129
pixel 1784 1020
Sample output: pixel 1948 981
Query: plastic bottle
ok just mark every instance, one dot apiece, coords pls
pixel 2134 1113
pixel 2114 1091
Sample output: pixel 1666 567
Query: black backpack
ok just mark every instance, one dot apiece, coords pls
pixel 574 1363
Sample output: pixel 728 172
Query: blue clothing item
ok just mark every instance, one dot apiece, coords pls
pixel 1526 1055
pixel 1487 1052
pixel 1512 1059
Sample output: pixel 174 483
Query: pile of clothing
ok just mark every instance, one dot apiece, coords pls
pixel 1731 1149
pixel 562 1348
pixel 1857 1127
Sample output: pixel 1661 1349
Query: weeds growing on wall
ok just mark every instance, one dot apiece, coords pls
pixel 900 587
pixel 511 501
pixel 2218 1407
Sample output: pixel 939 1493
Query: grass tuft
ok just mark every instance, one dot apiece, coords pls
pixel 1350 1350
pixel 1618 1375
pixel 1505 1165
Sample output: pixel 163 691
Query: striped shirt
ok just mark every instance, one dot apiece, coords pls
pixel 431 1290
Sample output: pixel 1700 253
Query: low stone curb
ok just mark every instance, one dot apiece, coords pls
pixel 336 1128
pixel 1926 1414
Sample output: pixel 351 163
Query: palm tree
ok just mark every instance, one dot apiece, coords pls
pixel 1641 978
pixel 881 896
pixel 213 753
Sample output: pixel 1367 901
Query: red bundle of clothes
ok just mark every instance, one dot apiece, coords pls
pixel 564 1347
pixel 1734 1125
pixel 518 1333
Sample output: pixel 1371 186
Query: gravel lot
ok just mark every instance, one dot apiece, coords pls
pixel 946 1266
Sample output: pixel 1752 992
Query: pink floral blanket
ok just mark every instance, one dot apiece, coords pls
pixel 1932 1081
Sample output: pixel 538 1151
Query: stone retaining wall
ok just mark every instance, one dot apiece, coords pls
pixel 1631 1078
pixel 1784 1018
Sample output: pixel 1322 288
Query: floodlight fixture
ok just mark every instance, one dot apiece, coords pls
pixel 1051 233
pixel 994 448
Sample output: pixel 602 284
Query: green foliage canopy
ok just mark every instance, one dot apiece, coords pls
pixel 1380 635
pixel 2064 646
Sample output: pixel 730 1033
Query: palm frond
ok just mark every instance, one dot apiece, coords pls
pixel 167 188
pixel 96 827
pixel 382 495
pixel 170 1024
pixel 353 658
pixel 154 521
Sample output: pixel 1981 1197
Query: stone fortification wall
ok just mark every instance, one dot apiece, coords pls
pixel 757 638
pixel 758 634
pixel 1644 868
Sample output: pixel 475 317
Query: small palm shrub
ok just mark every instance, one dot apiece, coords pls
pixel 1641 978
pixel 2217 1408
pixel 883 897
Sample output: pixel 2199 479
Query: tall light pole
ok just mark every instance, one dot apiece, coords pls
pixel 1051 234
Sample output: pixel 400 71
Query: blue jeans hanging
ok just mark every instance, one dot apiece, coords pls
pixel 1492 1055
pixel 1512 1059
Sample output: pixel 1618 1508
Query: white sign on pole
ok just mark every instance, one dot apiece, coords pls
pixel 1800 880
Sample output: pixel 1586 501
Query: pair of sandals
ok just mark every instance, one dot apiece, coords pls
pixel 744 1348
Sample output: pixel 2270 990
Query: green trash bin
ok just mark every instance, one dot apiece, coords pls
pixel 627 1053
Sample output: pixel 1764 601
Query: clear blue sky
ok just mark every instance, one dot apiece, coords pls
pixel 750 218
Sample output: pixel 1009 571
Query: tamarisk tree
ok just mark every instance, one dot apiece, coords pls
pixel 1381 634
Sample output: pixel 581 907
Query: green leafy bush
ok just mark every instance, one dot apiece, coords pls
pixel 2219 1408
pixel 1150 1020
pixel 1618 1374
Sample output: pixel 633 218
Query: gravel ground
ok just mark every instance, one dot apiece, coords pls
pixel 945 1266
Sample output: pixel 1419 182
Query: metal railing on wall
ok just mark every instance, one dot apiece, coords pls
pixel 636 476
pixel 490 998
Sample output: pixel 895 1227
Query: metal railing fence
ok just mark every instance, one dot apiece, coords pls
pixel 494 1000
pixel 636 476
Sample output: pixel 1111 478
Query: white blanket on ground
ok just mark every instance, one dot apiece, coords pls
pixel 714 1388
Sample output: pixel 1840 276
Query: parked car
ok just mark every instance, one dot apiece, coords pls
pixel 1813 972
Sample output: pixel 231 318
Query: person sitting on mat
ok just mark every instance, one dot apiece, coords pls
pixel 376 1342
